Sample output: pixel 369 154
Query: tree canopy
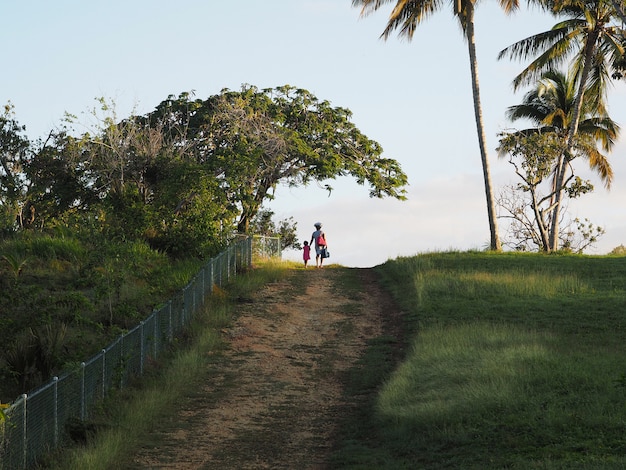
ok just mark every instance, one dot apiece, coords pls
pixel 188 174
pixel 252 140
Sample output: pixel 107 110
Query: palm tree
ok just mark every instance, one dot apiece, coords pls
pixel 550 106
pixel 589 34
pixel 619 9
pixel 406 16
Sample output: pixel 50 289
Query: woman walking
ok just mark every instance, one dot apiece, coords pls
pixel 320 244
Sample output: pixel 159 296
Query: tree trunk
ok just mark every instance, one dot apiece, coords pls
pixel 541 224
pixel 491 206
pixel 244 224
pixel 9 176
pixel 564 160
pixel 248 212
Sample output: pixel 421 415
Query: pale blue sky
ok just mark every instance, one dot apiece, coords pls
pixel 413 98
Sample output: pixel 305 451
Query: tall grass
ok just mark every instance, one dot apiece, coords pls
pixel 45 247
pixel 515 361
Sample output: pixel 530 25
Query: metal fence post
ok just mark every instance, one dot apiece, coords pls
pixel 141 349
pixel 203 286
pixel 155 332
pixel 104 363
pixel 193 297
pixel 24 432
pixel 120 365
pixel 183 308
pixel 55 412
pixel 228 257
pixel 170 333
pixel 82 391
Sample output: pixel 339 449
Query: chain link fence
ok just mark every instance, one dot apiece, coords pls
pixel 266 247
pixel 37 422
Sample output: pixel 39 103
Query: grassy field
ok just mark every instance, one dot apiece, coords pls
pixel 513 361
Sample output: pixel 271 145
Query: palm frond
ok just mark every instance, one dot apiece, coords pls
pixel 551 58
pixel 602 129
pixel 529 111
pixel 597 86
pixel 525 48
pixel 615 43
pixel 407 15
pixel 598 163
pixel 369 6
pixel 509 6
pixel 557 119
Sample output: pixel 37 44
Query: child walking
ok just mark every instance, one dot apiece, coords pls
pixel 306 254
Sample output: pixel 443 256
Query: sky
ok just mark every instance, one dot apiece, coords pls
pixel 414 98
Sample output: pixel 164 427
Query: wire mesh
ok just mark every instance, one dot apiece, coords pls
pixel 37 422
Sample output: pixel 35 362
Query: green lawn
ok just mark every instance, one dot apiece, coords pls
pixel 513 361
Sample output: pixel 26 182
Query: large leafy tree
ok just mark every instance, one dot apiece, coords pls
pixel 41 180
pixel 119 153
pixel 251 140
pixel 153 187
pixel 406 16
pixel 127 179
pixel 533 156
pixel 590 36
pixel 185 175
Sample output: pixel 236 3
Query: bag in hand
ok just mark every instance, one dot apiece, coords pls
pixel 325 253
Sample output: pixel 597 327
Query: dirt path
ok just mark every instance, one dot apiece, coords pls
pixel 275 399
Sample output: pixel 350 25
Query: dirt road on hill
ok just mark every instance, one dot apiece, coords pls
pixel 274 401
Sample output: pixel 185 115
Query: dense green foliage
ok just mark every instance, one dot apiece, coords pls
pixel 63 298
pixel 514 361
pixel 251 140
pixel 187 176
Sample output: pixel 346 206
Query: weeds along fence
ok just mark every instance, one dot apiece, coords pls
pixel 38 422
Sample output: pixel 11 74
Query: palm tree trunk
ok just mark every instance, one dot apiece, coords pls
pixel 572 131
pixel 491 206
